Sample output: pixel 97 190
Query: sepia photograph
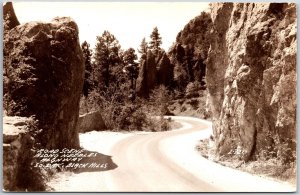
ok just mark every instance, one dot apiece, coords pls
pixel 149 96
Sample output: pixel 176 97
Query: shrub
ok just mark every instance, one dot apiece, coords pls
pixel 132 117
pixel 192 89
pixel 194 102
pixel 159 101
pixel 183 108
pixel 121 113
pixel 29 177
pixel 165 124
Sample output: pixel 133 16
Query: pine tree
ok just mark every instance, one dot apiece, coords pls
pixel 143 49
pixel 129 56
pixel 106 58
pixel 155 41
pixel 131 68
pixel 88 81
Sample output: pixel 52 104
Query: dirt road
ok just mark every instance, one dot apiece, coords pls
pixel 160 162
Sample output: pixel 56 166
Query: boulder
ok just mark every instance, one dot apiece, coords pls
pixel 44 71
pixel 251 78
pixel 91 122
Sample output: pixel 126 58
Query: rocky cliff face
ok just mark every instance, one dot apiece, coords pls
pixel 190 51
pixel 251 78
pixel 44 77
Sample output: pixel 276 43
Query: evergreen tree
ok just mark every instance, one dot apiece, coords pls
pixel 155 41
pixel 129 56
pixel 131 68
pixel 143 49
pixel 106 58
pixel 88 81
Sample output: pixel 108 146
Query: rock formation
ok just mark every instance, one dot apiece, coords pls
pixel 154 71
pixel 251 78
pixel 181 74
pixel 146 80
pixel 18 151
pixel 44 69
pixel 43 80
pixel 9 16
pixel 164 71
pixel 190 51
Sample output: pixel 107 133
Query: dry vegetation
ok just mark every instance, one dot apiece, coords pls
pixel 119 113
pixel 264 164
pixel 195 105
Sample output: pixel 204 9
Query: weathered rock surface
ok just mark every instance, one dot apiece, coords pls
pixel 18 151
pixel 45 69
pixel 181 73
pixel 43 78
pixel 165 71
pixel 9 16
pixel 251 78
pixel 11 145
pixel 146 80
pixel 189 54
pixel 90 122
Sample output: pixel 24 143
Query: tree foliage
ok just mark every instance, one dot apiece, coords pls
pixel 159 100
pixel 189 54
pixel 129 56
pixel 6 67
pixel 107 59
pixel 131 68
pixel 155 41
pixel 143 49
pixel 88 81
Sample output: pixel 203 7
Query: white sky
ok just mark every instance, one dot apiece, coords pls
pixel 128 21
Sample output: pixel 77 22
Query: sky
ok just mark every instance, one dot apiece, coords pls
pixel 130 22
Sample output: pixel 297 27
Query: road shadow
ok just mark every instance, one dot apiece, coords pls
pixel 94 162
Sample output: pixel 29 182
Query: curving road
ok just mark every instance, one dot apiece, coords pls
pixel 144 166
pixel 161 162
